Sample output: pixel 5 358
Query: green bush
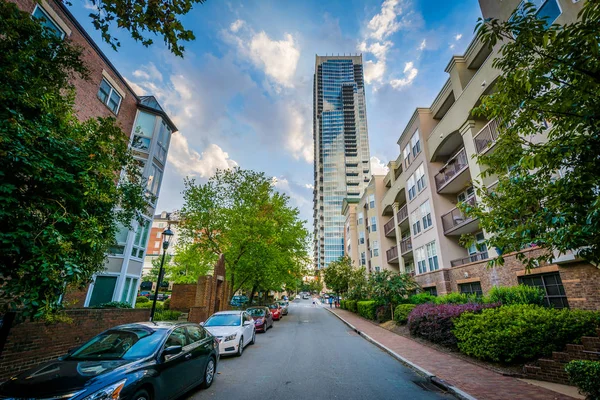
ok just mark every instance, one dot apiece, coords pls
pixel 585 375
pixel 367 309
pixel 401 313
pixel 422 298
pixel 142 299
pixel 113 304
pixel 159 305
pixel 167 304
pixel 343 304
pixel 521 333
pixel 351 305
pixel 167 315
pixel 521 294
pixel 457 298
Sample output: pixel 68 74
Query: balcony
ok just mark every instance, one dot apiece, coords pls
pixel 392 255
pixel 403 216
pixel 485 138
pixel 405 246
pixel 389 228
pixel 472 258
pixel 456 223
pixel 453 176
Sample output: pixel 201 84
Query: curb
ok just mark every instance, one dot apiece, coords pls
pixel 421 371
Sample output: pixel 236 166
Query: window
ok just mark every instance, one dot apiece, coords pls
pixel 143 131
pixel 547 9
pixel 420 173
pixel 406 155
pixel 361 237
pixel 412 192
pixel 46 21
pixel 371 201
pixel 129 290
pixel 373 224
pixel 140 240
pixel 162 148
pixel 415 143
pixel 471 288
pixel 479 246
pixel 432 290
pixel 104 288
pixel 420 258
pixel 360 218
pixel 156 245
pixel 109 96
pixel 426 214
pixel 552 286
pixel 466 195
pixel 416 222
pixel 432 259
pixel 154 180
pixel 120 240
pixel 196 333
pixel 177 338
pixel 375 248
pixel 158 234
pixel 363 258
pixel 377 269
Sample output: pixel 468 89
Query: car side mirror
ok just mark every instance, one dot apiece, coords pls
pixel 171 351
pixel 201 323
pixel 246 323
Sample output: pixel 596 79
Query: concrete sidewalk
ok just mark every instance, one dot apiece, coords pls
pixel 469 378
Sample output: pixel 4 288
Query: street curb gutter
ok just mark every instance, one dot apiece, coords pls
pixel 421 371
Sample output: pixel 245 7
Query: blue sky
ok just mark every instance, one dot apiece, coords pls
pixel 243 93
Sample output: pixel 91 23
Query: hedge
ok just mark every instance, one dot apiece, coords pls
pixel 167 304
pixel 434 322
pixel 167 315
pixel 351 305
pixel 521 294
pixel 367 309
pixel 422 298
pixel 159 305
pixel 457 298
pixel 343 304
pixel 402 311
pixel 142 299
pixel 521 333
pixel 113 304
pixel 585 375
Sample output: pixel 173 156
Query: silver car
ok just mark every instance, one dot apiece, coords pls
pixel 284 307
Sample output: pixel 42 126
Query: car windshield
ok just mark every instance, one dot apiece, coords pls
pixel 282 303
pixel 223 320
pixel 273 306
pixel 126 344
pixel 257 312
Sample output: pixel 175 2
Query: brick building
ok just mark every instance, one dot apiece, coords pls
pixel 154 249
pixel 106 94
pixel 436 169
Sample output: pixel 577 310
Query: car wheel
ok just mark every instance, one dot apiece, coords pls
pixel 141 395
pixel 209 373
pixel 240 347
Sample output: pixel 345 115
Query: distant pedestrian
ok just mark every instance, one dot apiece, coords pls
pixel 330 301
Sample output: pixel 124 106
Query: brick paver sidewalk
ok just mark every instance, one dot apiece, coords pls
pixel 470 378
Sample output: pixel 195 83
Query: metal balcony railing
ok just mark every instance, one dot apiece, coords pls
pixel 486 136
pixel 472 258
pixel 389 227
pixel 402 214
pixel 392 254
pixel 453 167
pixel 405 246
pixel 455 218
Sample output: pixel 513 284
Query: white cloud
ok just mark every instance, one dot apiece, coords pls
pixel 148 71
pixel 422 45
pixel 293 190
pixel 452 46
pixel 136 88
pixel 236 25
pixel 188 162
pixel 458 36
pixel 410 73
pixel 297 141
pixel 385 23
pixel 309 186
pixel 88 5
pixel 378 167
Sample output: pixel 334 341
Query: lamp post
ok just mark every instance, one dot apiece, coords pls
pixel 167 236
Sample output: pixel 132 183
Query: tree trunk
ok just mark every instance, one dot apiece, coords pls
pixel 254 288
pixel 392 309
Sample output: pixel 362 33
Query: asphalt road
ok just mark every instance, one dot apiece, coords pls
pixel 310 354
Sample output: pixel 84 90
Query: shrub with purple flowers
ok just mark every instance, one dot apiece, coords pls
pixel 434 321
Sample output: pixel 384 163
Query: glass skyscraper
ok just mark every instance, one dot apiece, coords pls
pixel 341 143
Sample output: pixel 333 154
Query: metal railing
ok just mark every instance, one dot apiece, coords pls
pixel 486 136
pixel 389 226
pixel 402 214
pixel 453 167
pixel 455 217
pixel 392 254
pixel 472 258
pixel 405 246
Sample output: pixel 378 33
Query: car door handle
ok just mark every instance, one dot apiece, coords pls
pixel 188 356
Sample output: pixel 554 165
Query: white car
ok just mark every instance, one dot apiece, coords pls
pixel 234 329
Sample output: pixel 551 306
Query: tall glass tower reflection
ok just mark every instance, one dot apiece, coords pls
pixel 341 143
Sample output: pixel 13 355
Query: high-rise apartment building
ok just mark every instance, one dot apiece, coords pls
pixel 341 143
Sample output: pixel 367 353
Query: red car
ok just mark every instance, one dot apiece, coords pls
pixel 276 311
pixel 263 318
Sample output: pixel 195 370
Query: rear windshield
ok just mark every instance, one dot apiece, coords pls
pixel 256 312
pixel 273 306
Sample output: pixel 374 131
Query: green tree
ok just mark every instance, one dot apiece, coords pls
pixel 141 17
pixel 57 175
pixel 389 288
pixel 547 156
pixel 238 213
pixel 188 264
pixel 339 274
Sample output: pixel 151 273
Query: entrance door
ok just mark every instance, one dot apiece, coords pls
pixel 104 288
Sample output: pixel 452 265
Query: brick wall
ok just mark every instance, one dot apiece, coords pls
pixel 183 297
pixel 32 343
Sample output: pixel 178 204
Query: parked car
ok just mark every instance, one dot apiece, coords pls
pixel 234 329
pixel 305 297
pixel 263 319
pixel 159 297
pixel 284 307
pixel 151 361
pixel 145 293
pixel 276 311
pixel 238 301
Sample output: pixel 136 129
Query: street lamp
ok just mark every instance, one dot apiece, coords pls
pixel 167 235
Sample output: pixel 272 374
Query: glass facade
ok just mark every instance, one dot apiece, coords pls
pixel 342 167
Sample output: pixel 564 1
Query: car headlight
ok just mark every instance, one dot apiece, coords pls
pixel 230 337
pixel 111 392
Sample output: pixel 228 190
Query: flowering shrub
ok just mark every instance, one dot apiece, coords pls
pixel 434 322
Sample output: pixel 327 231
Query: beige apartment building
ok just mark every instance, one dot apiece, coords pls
pixel 365 241
pixel 436 169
